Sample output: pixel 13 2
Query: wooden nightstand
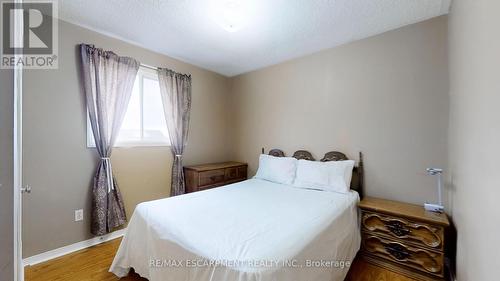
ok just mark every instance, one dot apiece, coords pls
pixel 207 176
pixel 403 238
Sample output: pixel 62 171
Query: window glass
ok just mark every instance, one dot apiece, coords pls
pixel 144 122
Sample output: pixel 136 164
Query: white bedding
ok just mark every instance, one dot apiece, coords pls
pixel 253 230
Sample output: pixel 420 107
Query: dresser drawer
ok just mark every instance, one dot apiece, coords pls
pixel 416 233
pixel 231 173
pixel 206 176
pixel 242 172
pixel 212 177
pixel 428 261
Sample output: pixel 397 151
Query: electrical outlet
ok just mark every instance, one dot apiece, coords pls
pixel 79 215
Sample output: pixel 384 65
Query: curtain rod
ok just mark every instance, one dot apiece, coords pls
pixel 156 68
pixel 149 66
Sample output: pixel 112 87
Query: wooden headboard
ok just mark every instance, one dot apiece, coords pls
pixel 357 172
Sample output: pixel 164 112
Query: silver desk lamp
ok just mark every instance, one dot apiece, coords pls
pixel 439 206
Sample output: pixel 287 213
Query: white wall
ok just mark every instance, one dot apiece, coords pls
pixel 474 136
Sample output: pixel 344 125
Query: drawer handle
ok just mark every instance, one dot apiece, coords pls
pixel 397 251
pixel 213 178
pixel 397 228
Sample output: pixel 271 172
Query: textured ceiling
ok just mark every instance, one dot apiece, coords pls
pixel 270 31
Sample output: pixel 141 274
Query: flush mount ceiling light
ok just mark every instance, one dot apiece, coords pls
pixel 231 15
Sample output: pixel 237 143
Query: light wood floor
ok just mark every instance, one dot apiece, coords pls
pixel 92 264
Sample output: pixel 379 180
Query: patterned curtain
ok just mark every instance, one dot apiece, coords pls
pixel 175 91
pixel 107 81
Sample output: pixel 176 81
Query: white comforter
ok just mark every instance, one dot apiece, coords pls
pixel 249 231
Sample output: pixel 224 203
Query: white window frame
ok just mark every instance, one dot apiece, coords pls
pixel 142 73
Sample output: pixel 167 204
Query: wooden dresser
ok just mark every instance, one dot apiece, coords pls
pixel 403 238
pixel 207 176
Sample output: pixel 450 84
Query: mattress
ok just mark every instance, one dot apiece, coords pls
pixel 252 230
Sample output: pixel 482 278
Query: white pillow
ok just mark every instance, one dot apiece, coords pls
pixel 277 169
pixel 329 176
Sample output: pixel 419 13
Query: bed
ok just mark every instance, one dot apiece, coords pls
pixel 254 230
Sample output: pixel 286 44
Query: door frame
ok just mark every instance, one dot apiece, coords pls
pixel 18 155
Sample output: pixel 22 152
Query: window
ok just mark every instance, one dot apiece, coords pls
pixel 144 123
